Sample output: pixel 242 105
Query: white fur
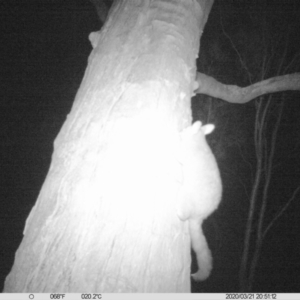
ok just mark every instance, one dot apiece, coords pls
pixel 201 191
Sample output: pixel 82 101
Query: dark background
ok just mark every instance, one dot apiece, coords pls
pixel 44 51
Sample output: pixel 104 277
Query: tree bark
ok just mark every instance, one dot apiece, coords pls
pixel 105 217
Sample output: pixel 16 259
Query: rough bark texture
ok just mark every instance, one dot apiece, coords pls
pixel 105 218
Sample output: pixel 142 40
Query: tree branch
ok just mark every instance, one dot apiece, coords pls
pixel 101 8
pixel 235 94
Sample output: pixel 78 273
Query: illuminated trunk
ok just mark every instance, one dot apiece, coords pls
pixel 105 217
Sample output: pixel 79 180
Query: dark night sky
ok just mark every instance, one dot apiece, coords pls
pixel 44 50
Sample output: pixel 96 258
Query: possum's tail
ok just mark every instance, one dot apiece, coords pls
pixel 200 246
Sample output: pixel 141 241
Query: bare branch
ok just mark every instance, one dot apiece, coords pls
pixel 283 209
pixel 235 94
pixel 101 8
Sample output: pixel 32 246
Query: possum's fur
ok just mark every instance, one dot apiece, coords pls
pixel 201 190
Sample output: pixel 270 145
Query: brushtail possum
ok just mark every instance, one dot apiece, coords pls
pixel 201 191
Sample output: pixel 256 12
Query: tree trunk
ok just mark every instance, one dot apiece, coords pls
pixel 105 217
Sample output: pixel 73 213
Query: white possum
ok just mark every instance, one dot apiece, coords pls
pixel 201 191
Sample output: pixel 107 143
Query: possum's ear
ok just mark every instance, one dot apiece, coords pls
pixel 208 128
pixel 196 127
pixel 94 38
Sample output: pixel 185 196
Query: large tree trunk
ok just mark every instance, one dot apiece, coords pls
pixel 105 218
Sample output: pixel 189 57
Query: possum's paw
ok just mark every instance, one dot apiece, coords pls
pixel 201 275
